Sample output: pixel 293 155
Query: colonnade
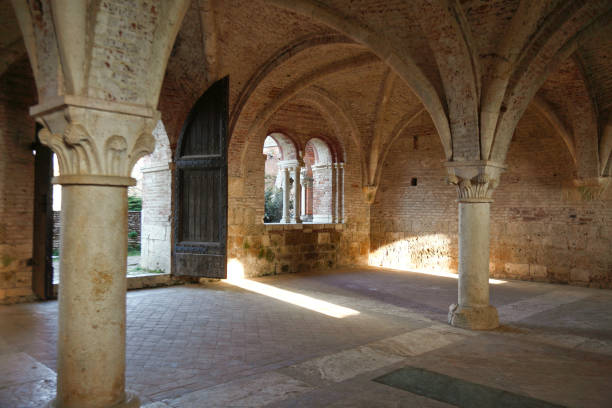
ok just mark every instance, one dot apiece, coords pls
pixel 325 188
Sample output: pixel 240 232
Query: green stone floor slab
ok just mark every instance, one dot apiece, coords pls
pixel 456 391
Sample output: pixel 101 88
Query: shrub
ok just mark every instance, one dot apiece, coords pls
pixel 134 204
pixel 273 205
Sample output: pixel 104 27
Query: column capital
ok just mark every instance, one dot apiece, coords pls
pixel 96 142
pixel 592 188
pixel 288 164
pixel 475 180
pixel 369 193
pixel 324 166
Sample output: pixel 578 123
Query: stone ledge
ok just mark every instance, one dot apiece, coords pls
pixel 307 227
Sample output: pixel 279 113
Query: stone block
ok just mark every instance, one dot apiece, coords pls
pixel 323 238
pixel 516 270
pixel 580 275
pixel 537 271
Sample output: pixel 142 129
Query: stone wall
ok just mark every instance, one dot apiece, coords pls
pixel 156 205
pixel 134 229
pixel 17 129
pixel 542 228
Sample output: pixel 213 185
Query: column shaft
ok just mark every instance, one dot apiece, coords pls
pixel 91 338
pixel 286 192
pixel 297 194
pixel 473 310
pixel 474 254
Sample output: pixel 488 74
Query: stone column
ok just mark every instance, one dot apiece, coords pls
pixel 475 183
pixel 96 147
pixel 297 194
pixel 286 195
pixel 307 210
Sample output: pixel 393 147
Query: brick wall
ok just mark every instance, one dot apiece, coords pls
pixel 322 193
pixel 16 183
pixel 541 227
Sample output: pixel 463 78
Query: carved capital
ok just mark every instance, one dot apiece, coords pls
pixel 369 192
pixel 592 188
pixel 475 180
pixel 96 146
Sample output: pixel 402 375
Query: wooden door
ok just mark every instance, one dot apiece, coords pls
pixel 200 224
pixel 42 267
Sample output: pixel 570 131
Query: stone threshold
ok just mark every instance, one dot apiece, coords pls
pixel 148 280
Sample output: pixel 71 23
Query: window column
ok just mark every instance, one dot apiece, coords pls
pixel 286 192
pixel 297 194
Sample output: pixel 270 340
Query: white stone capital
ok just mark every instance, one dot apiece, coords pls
pixel 93 143
pixel 475 180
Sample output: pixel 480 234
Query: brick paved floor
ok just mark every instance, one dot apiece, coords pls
pixel 222 345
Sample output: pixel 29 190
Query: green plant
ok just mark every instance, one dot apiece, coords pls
pixel 134 203
pixel 273 205
pixel 134 251
pixel 132 234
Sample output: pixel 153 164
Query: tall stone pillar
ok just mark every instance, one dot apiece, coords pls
pixel 307 183
pixel 475 183
pixel 286 195
pixel 297 186
pixel 97 145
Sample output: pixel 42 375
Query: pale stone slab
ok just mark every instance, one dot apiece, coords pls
pixel 520 310
pixel 417 341
pixel 19 368
pixel 347 364
pixel 259 391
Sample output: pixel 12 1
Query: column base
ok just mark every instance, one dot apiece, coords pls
pixel 131 401
pixel 473 318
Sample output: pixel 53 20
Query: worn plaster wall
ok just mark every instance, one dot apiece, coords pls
pixel 272 249
pixel 542 228
pixel 17 94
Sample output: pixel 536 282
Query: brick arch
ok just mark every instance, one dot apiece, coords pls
pixel 278 59
pixel 265 114
pixel 404 65
pixel 553 43
pixel 321 151
pixel 288 147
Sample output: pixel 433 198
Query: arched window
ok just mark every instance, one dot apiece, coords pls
pixel 307 189
pixel 282 173
pixel 324 183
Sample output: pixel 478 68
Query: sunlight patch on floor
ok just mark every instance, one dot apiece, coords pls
pixel 235 277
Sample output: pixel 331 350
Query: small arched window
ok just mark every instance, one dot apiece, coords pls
pixel 302 190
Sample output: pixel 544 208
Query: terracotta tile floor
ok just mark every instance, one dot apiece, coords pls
pixel 223 345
